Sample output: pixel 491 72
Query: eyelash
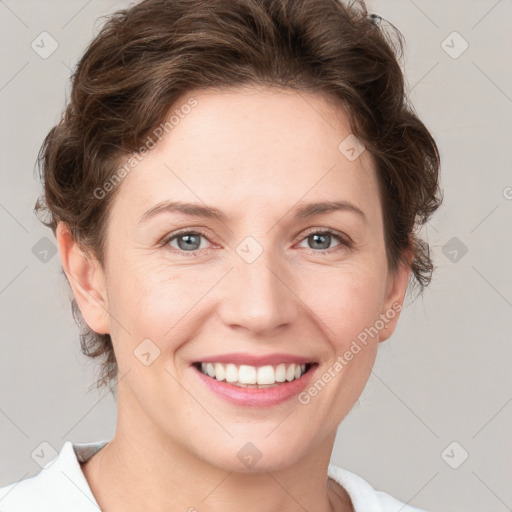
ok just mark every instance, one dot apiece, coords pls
pixel 343 239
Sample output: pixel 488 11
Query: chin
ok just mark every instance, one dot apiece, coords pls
pixel 254 454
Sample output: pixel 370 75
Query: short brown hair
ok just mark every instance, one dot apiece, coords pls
pixel 148 56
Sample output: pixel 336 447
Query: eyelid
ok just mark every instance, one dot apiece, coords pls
pixel 342 237
pixel 171 236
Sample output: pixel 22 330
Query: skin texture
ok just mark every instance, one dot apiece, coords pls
pixel 255 154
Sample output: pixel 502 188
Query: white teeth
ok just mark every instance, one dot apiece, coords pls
pixel 251 375
pixel 246 374
pixel 266 375
pixel 281 372
pixel 231 373
pixel 220 371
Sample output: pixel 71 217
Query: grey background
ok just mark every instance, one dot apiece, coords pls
pixel 445 374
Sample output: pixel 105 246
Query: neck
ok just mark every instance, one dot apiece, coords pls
pixel 141 468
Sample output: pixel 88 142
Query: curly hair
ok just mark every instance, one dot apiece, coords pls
pixel 145 58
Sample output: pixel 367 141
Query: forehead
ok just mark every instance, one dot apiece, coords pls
pixel 252 146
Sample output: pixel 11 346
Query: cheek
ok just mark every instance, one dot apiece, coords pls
pixel 347 299
pixel 152 300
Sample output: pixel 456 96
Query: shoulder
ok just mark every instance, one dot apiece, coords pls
pixel 60 485
pixel 364 497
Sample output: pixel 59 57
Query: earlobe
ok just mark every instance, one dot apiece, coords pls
pixel 86 278
pixel 397 287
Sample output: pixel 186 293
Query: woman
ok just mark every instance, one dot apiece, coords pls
pixel 235 189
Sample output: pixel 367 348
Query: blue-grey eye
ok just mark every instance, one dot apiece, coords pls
pixel 320 240
pixel 189 241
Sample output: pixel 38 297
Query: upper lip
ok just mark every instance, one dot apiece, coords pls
pixel 239 358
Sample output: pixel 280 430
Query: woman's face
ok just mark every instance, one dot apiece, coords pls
pixel 260 279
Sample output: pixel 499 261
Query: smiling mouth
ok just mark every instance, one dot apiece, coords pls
pixel 247 376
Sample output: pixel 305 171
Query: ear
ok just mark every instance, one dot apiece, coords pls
pixel 87 280
pixel 395 294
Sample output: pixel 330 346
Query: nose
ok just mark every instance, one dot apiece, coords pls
pixel 258 296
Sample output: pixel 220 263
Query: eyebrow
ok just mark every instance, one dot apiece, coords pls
pixel 199 210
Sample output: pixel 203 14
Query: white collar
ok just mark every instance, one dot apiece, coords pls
pixel 61 486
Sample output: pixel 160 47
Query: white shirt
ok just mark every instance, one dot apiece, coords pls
pixel 62 487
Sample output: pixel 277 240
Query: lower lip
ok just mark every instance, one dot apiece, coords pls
pixel 257 397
